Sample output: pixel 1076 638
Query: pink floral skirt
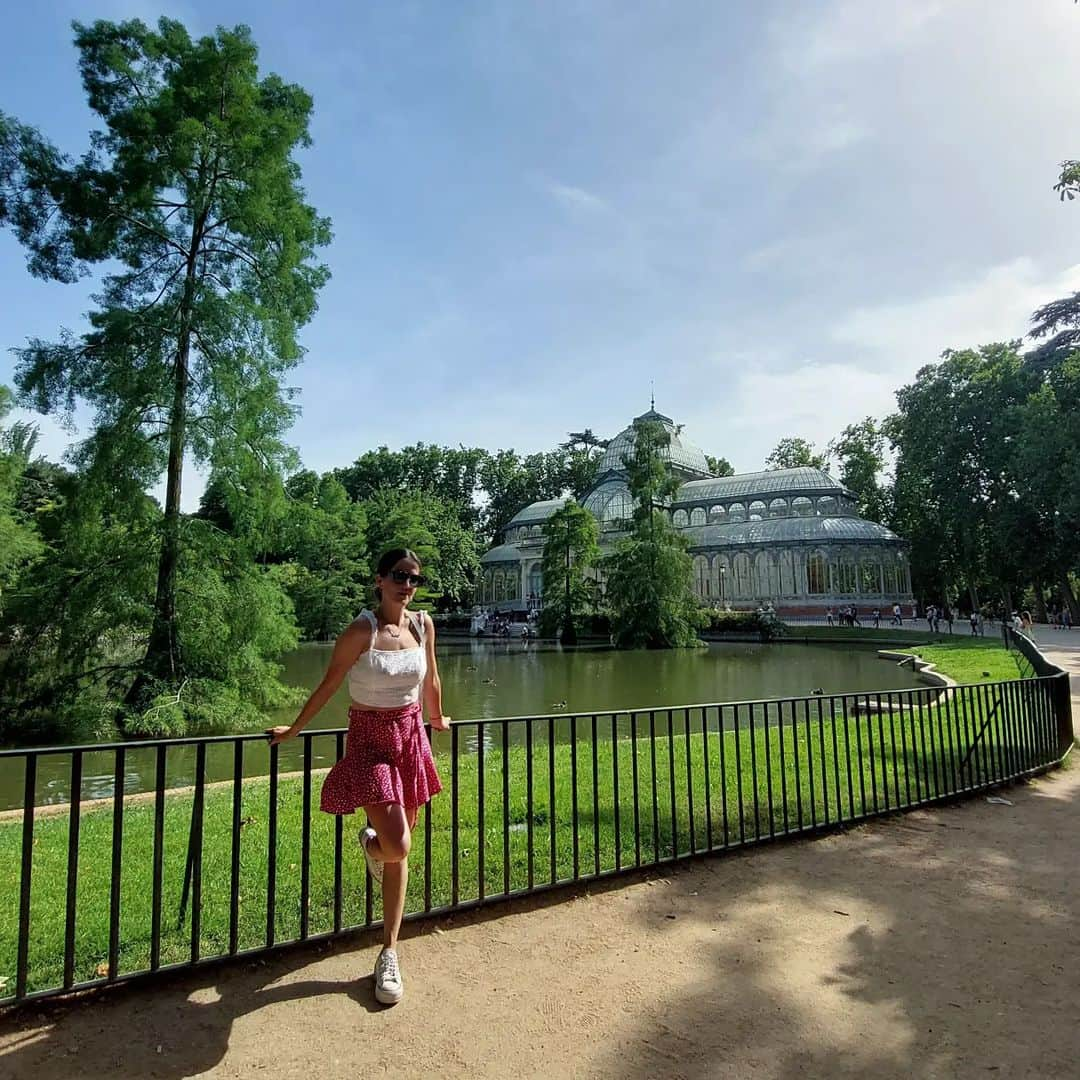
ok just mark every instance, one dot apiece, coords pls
pixel 387 760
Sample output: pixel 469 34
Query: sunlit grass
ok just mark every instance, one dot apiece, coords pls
pixel 694 791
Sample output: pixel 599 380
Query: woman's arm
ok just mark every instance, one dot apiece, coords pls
pixel 353 642
pixel 432 683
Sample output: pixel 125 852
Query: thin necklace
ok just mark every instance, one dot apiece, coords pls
pixel 394 631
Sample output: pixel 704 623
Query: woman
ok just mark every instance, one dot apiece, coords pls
pixel 388 769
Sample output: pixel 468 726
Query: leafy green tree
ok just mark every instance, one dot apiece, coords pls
pixel 580 471
pixel 19 540
pixel 432 528
pixel 585 440
pixel 450 473
pixel 649 586
pixel 1047 480
pixel 719 466
pixel 571 550
pixel 73 623
pixel 502 482
pixel 860 450
pixel 511 483
pixel 955 492
pixel 791 453
pixel 190 193
pixel 329 576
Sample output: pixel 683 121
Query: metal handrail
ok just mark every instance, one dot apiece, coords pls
pixel 630 789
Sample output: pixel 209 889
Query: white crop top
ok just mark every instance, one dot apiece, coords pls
pixel 389 678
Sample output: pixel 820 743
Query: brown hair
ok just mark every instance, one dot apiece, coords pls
pixel 390 559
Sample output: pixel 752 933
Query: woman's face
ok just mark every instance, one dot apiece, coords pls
pixel 400 583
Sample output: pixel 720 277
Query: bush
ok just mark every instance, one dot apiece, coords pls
pixel 763 623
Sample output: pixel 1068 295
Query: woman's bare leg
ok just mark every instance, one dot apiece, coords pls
pixel 393 826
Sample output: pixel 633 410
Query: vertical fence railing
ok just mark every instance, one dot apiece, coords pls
pixel 214 862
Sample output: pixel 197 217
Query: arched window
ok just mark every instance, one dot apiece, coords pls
pixel 535 530
pixel 610 504
pixel 742 572
pixel 757 510
pixel 826 506
pixel 778 508
pixel 620 508
pixel 787 574
pixel 870 575
pixel 768 577
pixel 891 586
pixel 717 515
pixel 697 516
pixel 679 519
pixel 817 575
pixel 736 512
pixel 513 582
pixel 802 507
pixel 845 573
pixel 536 580
pixel 701 576
pixel 722 578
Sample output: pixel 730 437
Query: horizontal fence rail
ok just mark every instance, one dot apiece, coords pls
pixel 115 889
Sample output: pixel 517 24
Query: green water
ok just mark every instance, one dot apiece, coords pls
pixel 485 679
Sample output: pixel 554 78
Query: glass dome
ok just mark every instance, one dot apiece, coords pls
pixel 684 456
pixel 611 504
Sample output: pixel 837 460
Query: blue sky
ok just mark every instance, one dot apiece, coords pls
pixel 777 211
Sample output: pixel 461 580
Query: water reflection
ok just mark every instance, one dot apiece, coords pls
pixel 482 679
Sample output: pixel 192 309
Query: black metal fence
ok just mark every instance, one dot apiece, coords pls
pixel 116 889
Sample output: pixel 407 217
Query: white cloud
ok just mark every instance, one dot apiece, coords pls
pixel 576 198
pixel 995 306
pixel 814 401
pixel 850 30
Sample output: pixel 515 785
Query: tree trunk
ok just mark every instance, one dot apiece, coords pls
pixel 1070 596
pixel 973 592
pixel 569 634
pixel 162 652
pixel 1040 604
pixel 162 660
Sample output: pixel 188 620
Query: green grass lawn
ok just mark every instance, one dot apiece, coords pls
pixel 866 632
pixel 971 659
pixel 706 786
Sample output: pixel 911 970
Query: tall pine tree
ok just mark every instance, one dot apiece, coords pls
pixel 190 189
pixel 649 576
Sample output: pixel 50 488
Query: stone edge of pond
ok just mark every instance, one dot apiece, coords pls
pixel 137 798
pixel 922 667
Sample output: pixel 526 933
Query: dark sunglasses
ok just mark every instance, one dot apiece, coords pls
pixel 402 576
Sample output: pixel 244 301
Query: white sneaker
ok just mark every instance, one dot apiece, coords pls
pixel 389 988
pixel 375 866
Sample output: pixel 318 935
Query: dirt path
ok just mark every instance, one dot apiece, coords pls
pixel 944 943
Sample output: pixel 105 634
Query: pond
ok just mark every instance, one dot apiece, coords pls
pixel 495 678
